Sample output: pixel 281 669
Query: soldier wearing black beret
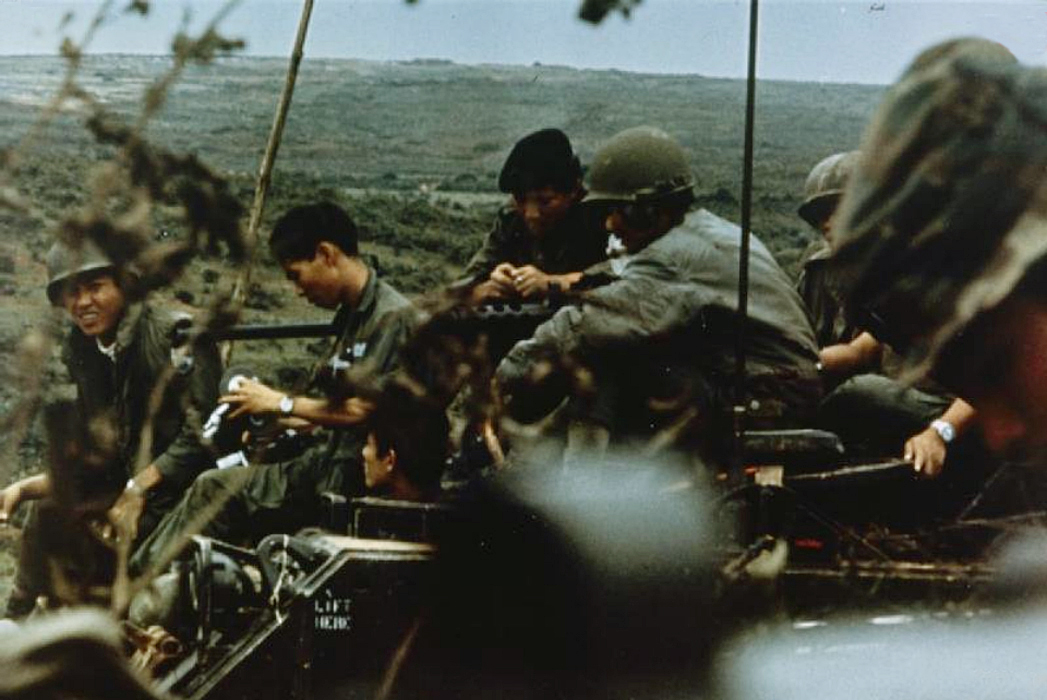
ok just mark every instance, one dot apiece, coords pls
pixel 543 238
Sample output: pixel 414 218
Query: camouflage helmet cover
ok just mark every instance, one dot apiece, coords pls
pixel 825 185
pixel 67 260
pixel 947 212
pixel 639 164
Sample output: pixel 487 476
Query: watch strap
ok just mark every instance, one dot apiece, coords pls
pixel 946 431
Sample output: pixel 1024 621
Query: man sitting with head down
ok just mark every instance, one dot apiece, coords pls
pixel 317 247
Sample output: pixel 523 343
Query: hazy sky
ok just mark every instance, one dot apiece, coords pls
pixel 815 40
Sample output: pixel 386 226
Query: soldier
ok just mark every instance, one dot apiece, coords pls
pixel 317 247
pixel 822 192
pixel 119 352
pixel 873 413
pixel 543 238
pixel 663 334
pixel 940 245
pixel 407 445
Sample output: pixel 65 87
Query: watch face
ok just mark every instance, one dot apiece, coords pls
pixel 286 404
pixel 945 430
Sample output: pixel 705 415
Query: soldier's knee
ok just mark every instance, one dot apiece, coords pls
pixel 211 484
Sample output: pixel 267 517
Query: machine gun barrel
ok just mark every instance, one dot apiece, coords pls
pixel 277 331
pixel 258 331
pixel 283 331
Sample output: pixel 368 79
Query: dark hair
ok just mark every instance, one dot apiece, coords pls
pixel 298 232
pixel 542 159
pixel 417 428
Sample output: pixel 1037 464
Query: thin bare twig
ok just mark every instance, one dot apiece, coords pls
pixel 265 172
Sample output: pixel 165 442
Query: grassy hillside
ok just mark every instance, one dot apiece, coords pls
pixel 440 127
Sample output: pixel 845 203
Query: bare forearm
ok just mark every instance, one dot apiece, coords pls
pixel 847 359
pixel 30 488
pixel 961 415
pixel 330 413
pixel 148 478
pixel 567 280
pixel 34 487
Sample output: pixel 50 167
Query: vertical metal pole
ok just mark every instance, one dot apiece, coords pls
pixel 743 258
pixel 265 171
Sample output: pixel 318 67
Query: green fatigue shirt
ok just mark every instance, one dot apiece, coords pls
pixel 826 309
pixel 114 395
pixel 669 321
pixel 369 339
pixel 285 496
pixel 577 242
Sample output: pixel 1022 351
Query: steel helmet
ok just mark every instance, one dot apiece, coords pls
pixel 641 164
pixel 66 260
pixel 825 185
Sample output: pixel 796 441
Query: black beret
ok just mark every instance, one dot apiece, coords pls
pixel 542 159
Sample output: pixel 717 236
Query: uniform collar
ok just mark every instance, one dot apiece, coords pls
pixel 366 303
pixel 125 330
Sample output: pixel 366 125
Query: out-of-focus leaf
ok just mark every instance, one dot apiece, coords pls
pixel 139 6
pixel 596 10
pixel 204 49
pixel 69 50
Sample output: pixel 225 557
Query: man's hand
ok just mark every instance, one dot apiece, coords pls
pixel 926 450
pixel 357 410
pixel 498 286
pixel 504 278
pixel 253 398
pixel 9 500
pixel 487 291
pixel 530 282
pixel 124 514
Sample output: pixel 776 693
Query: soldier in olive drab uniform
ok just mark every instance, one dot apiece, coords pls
pixel 663 334
pixel 939 243
pixel 544 237
pixel 119 351
pixel 874 414
pixel 822 192
pixel 317 247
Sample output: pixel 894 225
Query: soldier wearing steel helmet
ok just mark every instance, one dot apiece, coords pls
pixel 663 334
pixel 119 351
pixel 874 414
pixel 822 191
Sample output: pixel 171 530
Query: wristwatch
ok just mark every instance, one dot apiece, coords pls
pixel 945 430
pixel 286 405
pixel 134 489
